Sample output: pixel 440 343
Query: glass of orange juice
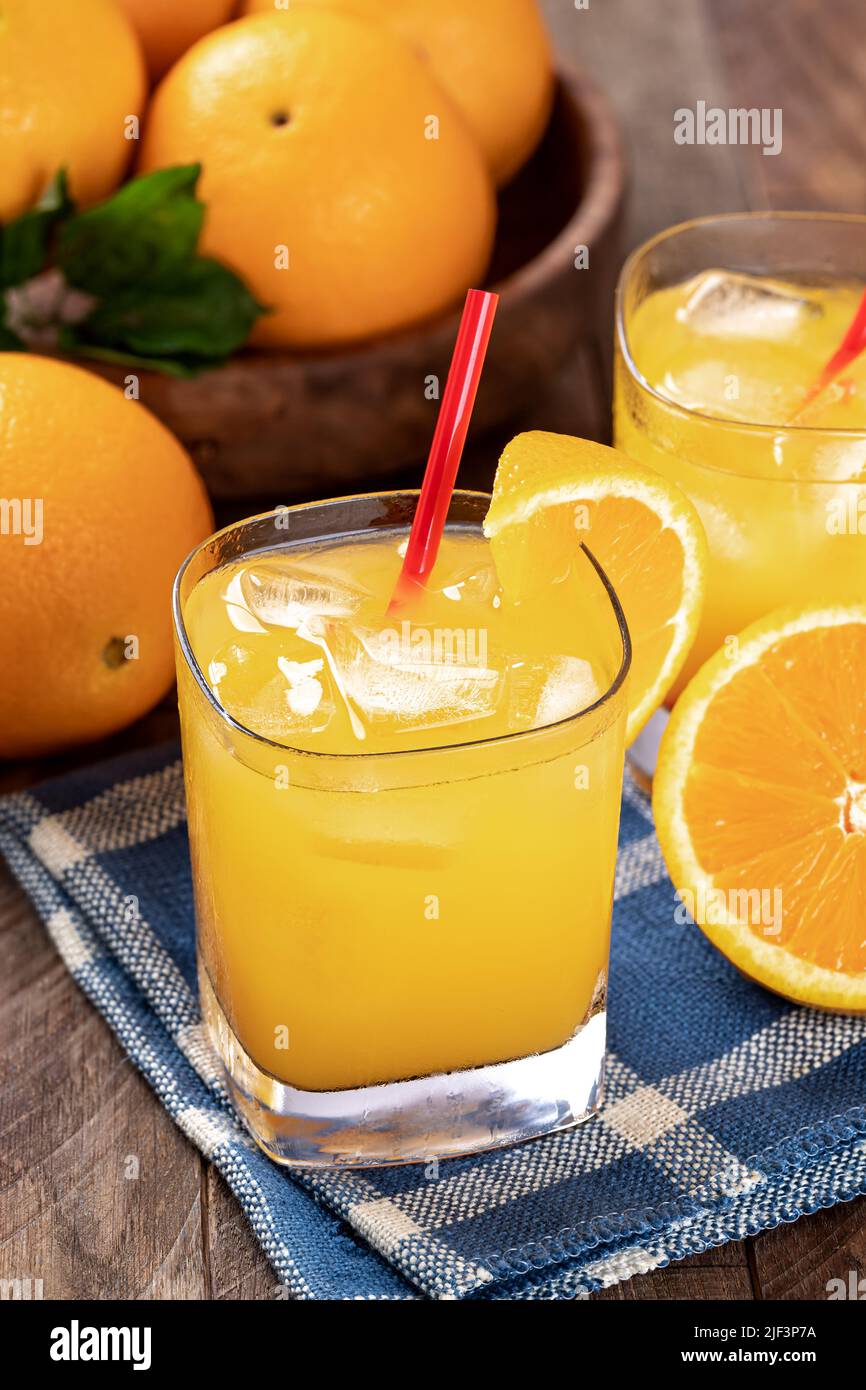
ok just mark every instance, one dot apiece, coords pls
pixel 403 832
pixel 722 326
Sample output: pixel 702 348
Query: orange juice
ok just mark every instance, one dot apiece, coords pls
pixel 404 866
pixel 712 370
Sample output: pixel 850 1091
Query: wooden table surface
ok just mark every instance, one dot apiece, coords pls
pixel 72 1108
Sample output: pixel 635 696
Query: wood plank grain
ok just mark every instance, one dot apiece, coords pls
pixel 797 1260
pixel 99 1192
pixel 808 59
pixel 238 1268
pixel 652 59
pixel 722 1272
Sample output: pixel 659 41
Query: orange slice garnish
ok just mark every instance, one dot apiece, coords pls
pixel 553 492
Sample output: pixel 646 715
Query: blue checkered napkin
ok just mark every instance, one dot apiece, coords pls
pixel 727 1109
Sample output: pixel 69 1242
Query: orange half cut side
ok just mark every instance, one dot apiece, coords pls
pixel 760 803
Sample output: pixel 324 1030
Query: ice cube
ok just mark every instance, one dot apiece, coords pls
pixel 571 686
pixel 215 672
pixel 279 593
pixel 305 691
pixel 542 691
pixel 237 612
pixel 276 698
pixel 414 678
pixel 711 387
pixel 226 663
pixel 726 304
pixel 280 712
pixel 478 586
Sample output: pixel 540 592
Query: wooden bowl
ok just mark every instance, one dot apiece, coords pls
pixel 285 425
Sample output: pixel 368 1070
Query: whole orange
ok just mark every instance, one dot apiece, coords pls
pixel 70 76
pixel 99 504
pixel 340 181
pixel 168 27
pixel 492 56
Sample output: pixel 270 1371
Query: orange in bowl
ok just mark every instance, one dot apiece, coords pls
pixel 167 28
pixel 491 56
pixel 70 77
pixel 340 181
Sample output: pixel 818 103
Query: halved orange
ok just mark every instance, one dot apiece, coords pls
pixel 553 492
pixel 760 803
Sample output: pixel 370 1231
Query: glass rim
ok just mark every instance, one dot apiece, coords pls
pixel 629 268
pixel 520 736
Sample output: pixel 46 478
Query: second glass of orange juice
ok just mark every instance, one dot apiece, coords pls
pixel 723 324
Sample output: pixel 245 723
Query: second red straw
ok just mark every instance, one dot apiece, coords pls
pixel 847 352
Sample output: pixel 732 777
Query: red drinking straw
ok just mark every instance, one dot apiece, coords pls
pixel 850 348
pixel 450 435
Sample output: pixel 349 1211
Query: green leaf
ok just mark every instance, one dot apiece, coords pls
pixel 24 243
pixel 178 367
pixel 158 304
pixel 141 235
pixel 202 312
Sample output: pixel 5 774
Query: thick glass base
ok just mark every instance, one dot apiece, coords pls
pixel 413 1121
